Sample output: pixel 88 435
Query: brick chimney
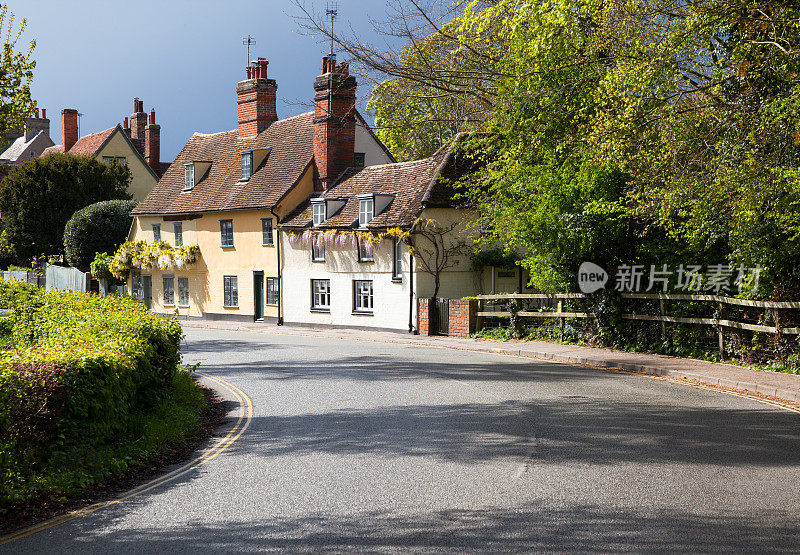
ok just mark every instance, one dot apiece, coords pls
pixel 257 99
pixel 138 119
pixel 152 143
pixel 334 121
pixel 69 128
pixel 36 124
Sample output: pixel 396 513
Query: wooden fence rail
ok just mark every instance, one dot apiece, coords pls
pixel 716 322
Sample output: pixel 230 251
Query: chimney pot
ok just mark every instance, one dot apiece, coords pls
pixel 44 113
pixel 125 123
pixel 249 72
pixel 152 116
pixel 135 104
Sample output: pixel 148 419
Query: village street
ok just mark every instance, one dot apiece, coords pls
pixel 359 445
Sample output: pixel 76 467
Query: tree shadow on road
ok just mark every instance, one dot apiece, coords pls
pixel 528 528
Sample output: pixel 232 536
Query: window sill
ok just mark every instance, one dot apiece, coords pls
pixel 397 280
pixel 362 313
pixel 266 245
pixel 273 305
pixel 169 305
pixel 226 246
pixel 323 310
pixel 312 260
pixel 231 307
pixel 370 260
pixel 244 180
pixel 183 306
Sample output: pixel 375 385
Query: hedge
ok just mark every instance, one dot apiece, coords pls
pixel 99 227
pixel 79 366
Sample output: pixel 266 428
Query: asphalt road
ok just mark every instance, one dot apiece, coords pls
pixel 355 445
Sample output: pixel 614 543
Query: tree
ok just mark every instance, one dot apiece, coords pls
pixel 437 247
pixel 38 197
pixel 98 228
pixel 16 73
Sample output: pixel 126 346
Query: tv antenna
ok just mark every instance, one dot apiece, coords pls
pixel 79 124
pixel 248 40
pixel 332 11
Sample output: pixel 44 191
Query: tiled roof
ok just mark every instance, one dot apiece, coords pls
pixel 291 141
pixel 414 185
pixel 88 145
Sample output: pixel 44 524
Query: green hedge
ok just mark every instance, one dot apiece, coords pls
pixel 99 227
pixel 78 367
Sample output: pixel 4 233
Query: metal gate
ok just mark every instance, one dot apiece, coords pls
pixel 441 317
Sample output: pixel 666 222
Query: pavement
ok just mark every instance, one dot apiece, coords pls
pixel 359 444
pixel 785 387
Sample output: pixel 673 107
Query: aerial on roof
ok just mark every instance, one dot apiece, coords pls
pixel 220 187
pixel 414 186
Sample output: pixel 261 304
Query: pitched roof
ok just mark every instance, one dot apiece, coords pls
pixel 414 185
pixel 20 146
pixel 292 149
pixel 88 145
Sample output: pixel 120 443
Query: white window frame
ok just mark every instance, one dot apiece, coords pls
pixel 169 291
pixel 365 250
pixel 224 235
pixel 318 213
pixel 267 233
pixel 247 168
pixel 230 291
pixel 178 231
pixel 363 299
pixel 188 176
pixel 317 249
pixel 397 259
pixel 121 160
pixel 183 287
pixel 156 233
pixel 321 294
pixel 275 290
pixel 366 211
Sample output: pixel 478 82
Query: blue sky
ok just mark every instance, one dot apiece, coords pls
pixel 181 57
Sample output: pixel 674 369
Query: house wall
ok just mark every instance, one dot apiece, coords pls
pixel 206 283
pixel 390 299
pixel 142 180
pixel 373 153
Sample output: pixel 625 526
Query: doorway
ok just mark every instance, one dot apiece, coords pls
pixel 258 294
pixel 147 291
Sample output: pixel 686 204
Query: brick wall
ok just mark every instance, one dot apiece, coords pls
pixel 257 105
pixel 424 307
pixel 69 128
pixel 463 317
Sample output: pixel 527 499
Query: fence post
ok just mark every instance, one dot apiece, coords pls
pixel 663 323
pixel 560 309
pixel 720 335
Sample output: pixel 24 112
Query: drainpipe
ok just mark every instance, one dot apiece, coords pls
pixel 411 295
pixel 280 279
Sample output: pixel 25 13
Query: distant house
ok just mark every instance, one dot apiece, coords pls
pixel 29 144
pixel 138 146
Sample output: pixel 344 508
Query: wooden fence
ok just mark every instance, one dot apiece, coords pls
pixel 495 306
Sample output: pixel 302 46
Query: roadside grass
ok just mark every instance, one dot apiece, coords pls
pixel 569 335
pixel 150 431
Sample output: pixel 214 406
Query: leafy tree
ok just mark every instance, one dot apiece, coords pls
pixel 97 228
pixel 16 73
pixel 38 198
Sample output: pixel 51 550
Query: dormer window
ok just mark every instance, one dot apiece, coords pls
pixel 188 176
pixel 247 165
pixel 366 211
pixel 318 211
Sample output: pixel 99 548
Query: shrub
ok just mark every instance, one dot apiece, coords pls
pixel 80 366
pixel 97 228
pixel 101 268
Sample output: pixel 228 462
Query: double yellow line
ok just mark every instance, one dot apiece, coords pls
pixel 243 421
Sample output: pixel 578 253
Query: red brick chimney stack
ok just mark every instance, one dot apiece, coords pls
pixel 69 128
pixel 138 119
pixel 152 143
pixel 256 100
pixel 334 121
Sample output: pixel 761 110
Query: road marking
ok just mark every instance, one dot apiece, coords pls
pixel 242 423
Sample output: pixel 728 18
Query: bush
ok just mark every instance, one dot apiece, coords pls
pixel 97 228
pixel 81 366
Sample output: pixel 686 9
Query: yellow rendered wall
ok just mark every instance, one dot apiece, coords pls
pixel 206 277
pixel 142 180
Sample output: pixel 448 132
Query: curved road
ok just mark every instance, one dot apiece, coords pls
pixel 357 445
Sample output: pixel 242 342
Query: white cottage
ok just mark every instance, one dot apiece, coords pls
pixel 360 253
